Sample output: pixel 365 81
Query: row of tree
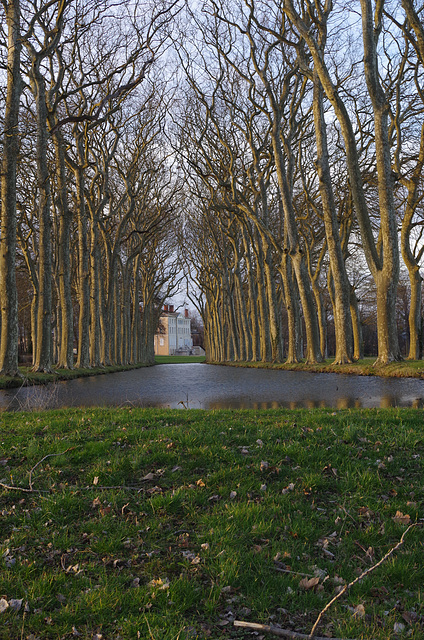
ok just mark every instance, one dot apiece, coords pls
pixel 89 196
pixel 304 148
pixel 273 150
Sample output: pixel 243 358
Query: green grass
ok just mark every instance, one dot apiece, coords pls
pixel 182 552
pixel 178 359
pixel 365 367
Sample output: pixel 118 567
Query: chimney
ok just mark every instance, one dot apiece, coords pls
pixel 165 307
pixel 186 313
pixel 171 308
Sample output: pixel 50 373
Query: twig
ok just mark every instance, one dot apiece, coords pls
pixel 276 631
pixel 296 573
pixel 49 455
pixel 285 633
pixel 13 488
pixel 365 573
pixel 104 488
pixel 31 486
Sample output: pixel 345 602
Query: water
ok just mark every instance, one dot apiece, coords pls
pixel 200 386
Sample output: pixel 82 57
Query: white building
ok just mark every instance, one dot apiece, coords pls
pixel 174 333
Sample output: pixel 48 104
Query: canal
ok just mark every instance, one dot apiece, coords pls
pixel 201 386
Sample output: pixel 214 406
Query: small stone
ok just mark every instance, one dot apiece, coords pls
pixel 233 494
pixel 263 487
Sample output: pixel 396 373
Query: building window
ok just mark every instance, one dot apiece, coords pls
pixel 161 342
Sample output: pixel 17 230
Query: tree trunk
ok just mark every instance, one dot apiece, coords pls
pixel 44 317
pixel 83 268
pixel 342 318
pixel 66 329
pixel 8 292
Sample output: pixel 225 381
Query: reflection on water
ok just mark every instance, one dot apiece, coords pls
pixel 199 386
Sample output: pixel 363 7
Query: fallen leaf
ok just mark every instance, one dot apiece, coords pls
pixel 159 583
pixel 410 617
pixel 3 605
pixel 398 627
pixel 308 583
pixel 96 480
pixel 264 465
pixel 359 611
pixel 15 604
pixel 289 487
pixel 200 483
pixel 148 477
pixel 233 494
pixel 401 518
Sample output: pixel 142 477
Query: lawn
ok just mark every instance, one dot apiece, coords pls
pixel 178 359
pixel 170 525
pixel 364 367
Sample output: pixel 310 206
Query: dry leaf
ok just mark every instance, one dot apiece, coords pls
pixel 149 476
pixel 96 480
pixel 159 583
pixel 289 487
pixel 15 605
pixel 401 518
pixel 3 605
pixel 200 483
pixel 359 611
pixel 308 583
pixel 233 494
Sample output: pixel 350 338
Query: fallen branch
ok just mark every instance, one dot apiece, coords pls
pixel 359 578
pixel 31 486
pixel 286 633
pixel 276 631
pixel 14 488
pixel 49 455
pixel 295 573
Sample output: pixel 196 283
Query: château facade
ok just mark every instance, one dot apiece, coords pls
pixel 174 333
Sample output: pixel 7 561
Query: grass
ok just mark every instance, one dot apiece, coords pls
pixel 365 367
pixel 214 503
pixel 178 359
